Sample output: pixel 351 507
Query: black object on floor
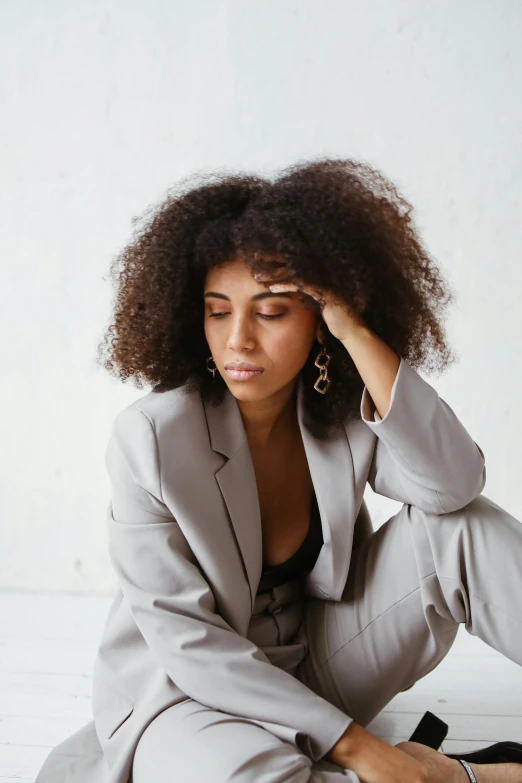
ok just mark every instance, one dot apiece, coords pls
pixel 431 731
pixel 499 753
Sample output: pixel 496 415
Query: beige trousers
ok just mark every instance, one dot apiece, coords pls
pixel 411 583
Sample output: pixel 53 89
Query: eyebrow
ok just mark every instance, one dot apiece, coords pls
pixel 263 295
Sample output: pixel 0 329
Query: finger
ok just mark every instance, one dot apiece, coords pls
pixel 279 287
pixel 302 291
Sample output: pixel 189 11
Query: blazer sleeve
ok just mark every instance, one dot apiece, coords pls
pixel 423 456
pixel 175 610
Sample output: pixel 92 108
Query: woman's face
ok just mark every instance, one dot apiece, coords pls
pixel 245 322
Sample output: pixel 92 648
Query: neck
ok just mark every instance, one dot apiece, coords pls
pixel 266 420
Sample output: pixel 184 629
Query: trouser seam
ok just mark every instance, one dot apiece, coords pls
pixel 376 618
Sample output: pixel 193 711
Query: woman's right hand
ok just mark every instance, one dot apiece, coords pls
pixel 375 761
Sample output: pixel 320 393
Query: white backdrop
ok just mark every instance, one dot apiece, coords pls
pixel 107 104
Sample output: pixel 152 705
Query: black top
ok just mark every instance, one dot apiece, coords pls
pixel 301 561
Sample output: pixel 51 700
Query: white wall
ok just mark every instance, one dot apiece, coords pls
pixel 106 104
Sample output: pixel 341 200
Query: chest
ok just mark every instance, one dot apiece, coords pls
pixel 285 490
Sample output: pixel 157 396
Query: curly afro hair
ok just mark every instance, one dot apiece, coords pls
pixel 334 224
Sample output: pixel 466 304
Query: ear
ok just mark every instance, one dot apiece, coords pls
pixel 319 334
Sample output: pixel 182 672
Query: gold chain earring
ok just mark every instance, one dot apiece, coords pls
pixel 212 369
pixel 323 375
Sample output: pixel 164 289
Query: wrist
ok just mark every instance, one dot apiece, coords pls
pixel 357 333
pixel 353 740
pixel 346 747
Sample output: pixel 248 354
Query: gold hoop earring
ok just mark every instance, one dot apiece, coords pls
pixel 212 369
pixel 323 375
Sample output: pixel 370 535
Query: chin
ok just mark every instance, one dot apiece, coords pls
pixel 240 392
pixel 253 392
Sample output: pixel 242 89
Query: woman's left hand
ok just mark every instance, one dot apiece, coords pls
pixel 337 315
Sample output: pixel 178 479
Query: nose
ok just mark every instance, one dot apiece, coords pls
pixel 240 335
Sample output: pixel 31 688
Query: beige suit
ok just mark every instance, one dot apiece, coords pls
pixel 185 541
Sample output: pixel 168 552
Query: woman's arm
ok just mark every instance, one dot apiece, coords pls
pixel 424 455
pixel 376 363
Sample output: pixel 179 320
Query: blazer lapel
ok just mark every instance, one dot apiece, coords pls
pixel 331 469
pixel 237 481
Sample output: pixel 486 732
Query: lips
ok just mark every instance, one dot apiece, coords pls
pixel 243 375
pixel 243 366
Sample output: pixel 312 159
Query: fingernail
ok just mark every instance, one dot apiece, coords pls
pixel 277 287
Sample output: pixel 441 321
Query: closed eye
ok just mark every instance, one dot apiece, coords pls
pixel 262 315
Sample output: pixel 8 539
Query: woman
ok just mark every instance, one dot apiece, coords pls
pixel 259 625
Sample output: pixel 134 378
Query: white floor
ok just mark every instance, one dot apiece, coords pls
pixel 48 644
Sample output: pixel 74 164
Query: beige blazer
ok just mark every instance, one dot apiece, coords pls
pixel 184 533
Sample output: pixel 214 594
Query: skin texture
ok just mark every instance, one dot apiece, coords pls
pixel 239 330
pixel 375 761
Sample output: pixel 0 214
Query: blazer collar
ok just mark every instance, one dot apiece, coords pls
pixel 331 469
